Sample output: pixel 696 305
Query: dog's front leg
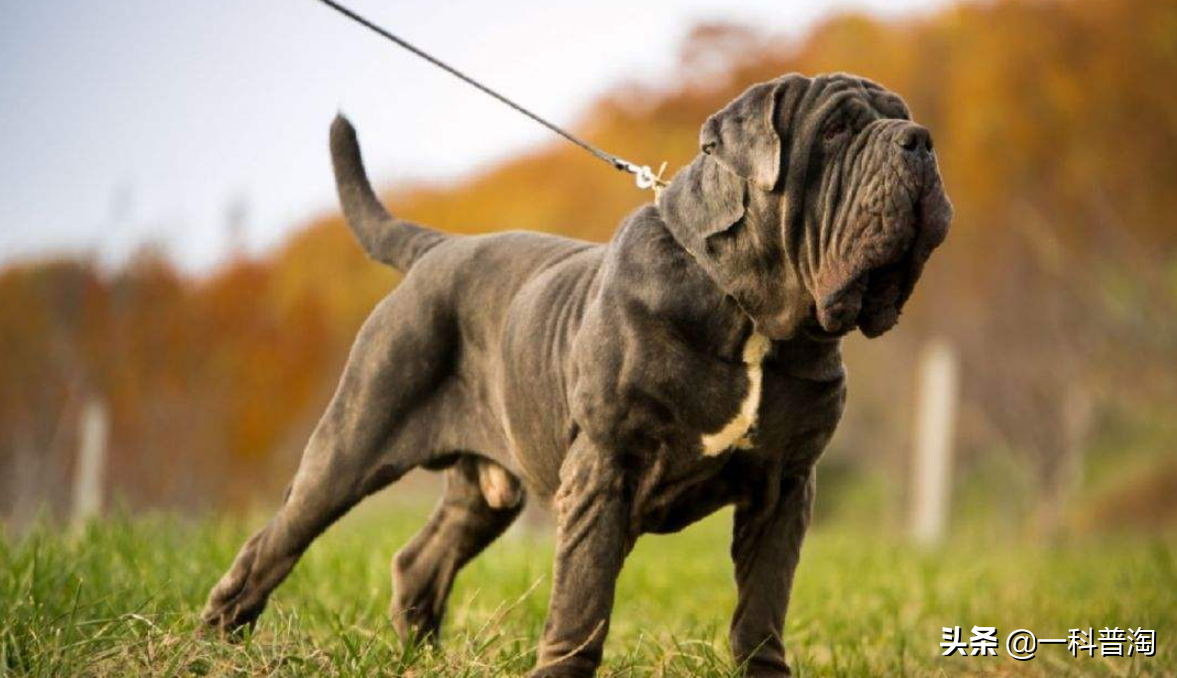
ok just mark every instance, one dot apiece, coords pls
pixel 592 540
pixel 766 547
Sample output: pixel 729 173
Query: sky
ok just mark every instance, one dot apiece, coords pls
pixel 144 122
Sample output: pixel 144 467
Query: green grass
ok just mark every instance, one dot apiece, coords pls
pixel 121 598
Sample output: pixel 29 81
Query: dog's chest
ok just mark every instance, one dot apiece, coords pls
pixel 765 405
pixel 794 421
pixel 736 432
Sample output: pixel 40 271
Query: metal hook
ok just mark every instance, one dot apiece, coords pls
pixel 645 178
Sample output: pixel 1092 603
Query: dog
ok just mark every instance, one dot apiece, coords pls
pixel 691 363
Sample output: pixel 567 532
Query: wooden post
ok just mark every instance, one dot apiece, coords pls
pixel 89 476
pixel 934 429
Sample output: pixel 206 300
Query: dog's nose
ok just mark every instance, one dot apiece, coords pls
pixel 914 138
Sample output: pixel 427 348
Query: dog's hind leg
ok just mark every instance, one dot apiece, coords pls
pixel 481 500
pixel 378 426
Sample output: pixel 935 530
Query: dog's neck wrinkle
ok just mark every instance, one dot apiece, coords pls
pixel 729 325
pixel 799 357
pixel 678 231
pixel 697 268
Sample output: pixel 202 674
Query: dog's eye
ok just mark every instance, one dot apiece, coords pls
pixel 834 130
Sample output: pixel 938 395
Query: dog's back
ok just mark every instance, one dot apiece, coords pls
pixel 508 304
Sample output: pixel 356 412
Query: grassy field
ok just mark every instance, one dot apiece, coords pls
pixel 120 599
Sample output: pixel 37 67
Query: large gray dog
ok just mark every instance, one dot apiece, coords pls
pixel 690 363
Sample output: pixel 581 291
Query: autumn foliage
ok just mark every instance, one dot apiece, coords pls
pixel 1056 128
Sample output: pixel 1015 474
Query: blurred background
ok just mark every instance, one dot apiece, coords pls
pixel 178 293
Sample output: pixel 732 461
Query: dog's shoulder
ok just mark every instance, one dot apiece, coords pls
pixel 656 325
pixel 654 275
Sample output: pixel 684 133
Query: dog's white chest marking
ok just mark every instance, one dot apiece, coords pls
pixel 735 432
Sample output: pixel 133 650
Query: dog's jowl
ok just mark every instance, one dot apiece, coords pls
pixel 690 363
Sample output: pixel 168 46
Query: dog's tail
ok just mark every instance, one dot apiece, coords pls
pixel 393 241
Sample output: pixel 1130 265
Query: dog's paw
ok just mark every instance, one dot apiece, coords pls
pixel 228 614
pixel 236 601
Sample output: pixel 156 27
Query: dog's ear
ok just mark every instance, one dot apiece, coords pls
pixel 740 148
pixel 742 136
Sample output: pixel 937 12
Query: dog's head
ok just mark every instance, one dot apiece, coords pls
pixel 814 203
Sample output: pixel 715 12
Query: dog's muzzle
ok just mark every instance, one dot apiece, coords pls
pixel 891 231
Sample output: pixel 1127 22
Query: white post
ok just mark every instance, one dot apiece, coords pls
pixel 90 474
pixel 934 429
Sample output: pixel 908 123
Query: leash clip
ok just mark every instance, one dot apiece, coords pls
pixel 645 178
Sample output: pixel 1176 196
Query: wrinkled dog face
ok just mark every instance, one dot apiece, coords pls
pixel 815 204
pixel 880 211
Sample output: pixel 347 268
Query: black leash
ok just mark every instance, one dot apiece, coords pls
pixel 643 175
